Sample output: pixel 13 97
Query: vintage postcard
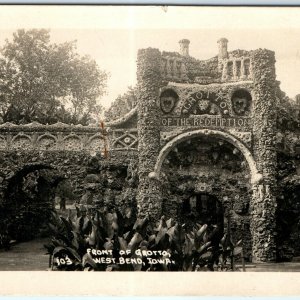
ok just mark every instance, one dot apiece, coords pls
pixel 137 140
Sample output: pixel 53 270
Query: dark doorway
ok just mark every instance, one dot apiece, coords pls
pixel 29 201
pixel 203 208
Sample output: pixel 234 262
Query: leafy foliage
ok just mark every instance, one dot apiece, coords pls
pixel 46 82
pixel 113 232
pixel 122 105
pixel 5 238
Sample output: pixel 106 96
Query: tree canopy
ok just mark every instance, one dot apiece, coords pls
pixel 122 105
pixel 48 82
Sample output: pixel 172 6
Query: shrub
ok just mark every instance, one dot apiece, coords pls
pixel 120 238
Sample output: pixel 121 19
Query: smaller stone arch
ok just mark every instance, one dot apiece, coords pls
pixel 72 142
pixel 46 141
pixel 255 176
pixel 21 141
pixel 95 143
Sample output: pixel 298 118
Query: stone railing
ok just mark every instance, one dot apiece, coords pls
pixel 63 137
pixel 235 69
pixel 59 136
pixel 173 69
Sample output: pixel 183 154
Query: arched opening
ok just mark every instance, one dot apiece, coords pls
pixel 30 196
pixel 223 136
pixel 203 208
pixel 206 180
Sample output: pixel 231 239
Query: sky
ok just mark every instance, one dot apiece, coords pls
pixel 112 35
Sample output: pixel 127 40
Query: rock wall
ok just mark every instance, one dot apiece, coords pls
pixel 85 172
pixel 124 177
pixel 94 180
pixel 68 165
pixel 263 204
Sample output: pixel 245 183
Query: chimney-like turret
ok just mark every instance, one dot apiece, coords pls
pixel 297 98
pixel 223 53
pixel 184 47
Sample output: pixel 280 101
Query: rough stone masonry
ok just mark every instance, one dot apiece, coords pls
pixel 208 141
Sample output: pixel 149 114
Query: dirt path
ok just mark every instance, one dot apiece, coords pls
pixel 28 256
pixel 276 267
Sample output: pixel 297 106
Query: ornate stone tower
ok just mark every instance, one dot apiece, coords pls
pixel 263 206
pixel 227 103
pixel 149 83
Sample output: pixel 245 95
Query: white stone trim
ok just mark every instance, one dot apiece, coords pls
pixel 255 176
pixel 122 119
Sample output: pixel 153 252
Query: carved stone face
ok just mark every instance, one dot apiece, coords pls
pixel 240 105
pixel 167 104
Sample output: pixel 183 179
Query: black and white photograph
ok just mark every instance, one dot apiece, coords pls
pixel 149 139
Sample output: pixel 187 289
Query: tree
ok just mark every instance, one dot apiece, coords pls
pixel 47 82
pixel 121 105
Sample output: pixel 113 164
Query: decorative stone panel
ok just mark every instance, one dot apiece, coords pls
pixel 124 139
pixel 60 136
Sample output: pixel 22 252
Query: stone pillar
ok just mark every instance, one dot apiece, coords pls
pixel 149 83
pixel 225 71
pixel 169 68
pixel 243 73
pixel 176 74
pixel 263 202
pixel 183 72
pixel 234 69
pixel 223 53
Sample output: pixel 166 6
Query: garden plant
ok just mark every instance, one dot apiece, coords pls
pixel 78 238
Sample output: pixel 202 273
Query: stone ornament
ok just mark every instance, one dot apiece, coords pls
pixel 204 102
pixel 241 102
pixel 124 139
pixel 168 100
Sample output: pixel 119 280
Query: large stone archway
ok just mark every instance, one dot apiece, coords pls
pixel 187 167
pixel 215 117
pixel 255 176
pixel 260 188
